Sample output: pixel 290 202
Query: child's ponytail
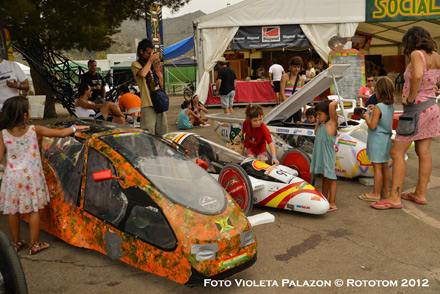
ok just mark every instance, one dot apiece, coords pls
pixel 185 104
pixel 13 111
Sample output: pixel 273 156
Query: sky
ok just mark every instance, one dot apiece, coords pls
pixel 207 6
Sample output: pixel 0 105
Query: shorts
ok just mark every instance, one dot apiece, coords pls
pixel 99 116
pixel 276 86
pixel 262 156
pixel 227 100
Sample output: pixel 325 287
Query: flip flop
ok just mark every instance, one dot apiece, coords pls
pixel 367 197
pixel 385 204
pixel 332 209
pixel 410 197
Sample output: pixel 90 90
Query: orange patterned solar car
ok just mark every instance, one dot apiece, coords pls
pixel 133 197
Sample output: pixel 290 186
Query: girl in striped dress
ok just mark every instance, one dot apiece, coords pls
pixel 292 82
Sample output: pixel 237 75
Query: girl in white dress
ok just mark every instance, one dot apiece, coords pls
pixel 23 188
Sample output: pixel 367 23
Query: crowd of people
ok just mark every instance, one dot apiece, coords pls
pixel 24 190
pixel 419 109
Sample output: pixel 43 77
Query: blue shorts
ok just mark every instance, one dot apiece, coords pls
pixel 227 100
pixel 99 116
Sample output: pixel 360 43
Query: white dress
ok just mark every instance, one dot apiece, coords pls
pixel 23 187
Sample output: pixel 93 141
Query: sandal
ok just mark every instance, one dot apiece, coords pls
pixel 385 204
pixel 19 245
pixel 366 197
pixel 37 247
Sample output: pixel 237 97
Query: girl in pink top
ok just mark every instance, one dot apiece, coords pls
pixel 420 76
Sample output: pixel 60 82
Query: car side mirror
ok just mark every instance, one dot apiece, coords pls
pixel 104 175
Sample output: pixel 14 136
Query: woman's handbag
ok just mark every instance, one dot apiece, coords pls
pixel 159 98
pixel 409 119
pixel 407 125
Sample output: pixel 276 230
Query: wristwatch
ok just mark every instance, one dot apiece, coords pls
pixel 19 86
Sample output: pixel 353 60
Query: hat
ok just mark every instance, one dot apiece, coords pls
pixel 222 60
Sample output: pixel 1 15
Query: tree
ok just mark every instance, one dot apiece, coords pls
pixel 70 24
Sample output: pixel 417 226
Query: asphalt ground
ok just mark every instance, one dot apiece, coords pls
pixel 355 249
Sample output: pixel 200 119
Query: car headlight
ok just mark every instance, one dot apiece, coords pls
pixel 247 238
pixel 204 251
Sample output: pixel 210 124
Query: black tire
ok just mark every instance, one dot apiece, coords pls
pixel 244 196
pixel 300 161
pixel 187 94
pixel 10 268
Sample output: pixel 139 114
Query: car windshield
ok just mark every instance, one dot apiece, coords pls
pixel 173 174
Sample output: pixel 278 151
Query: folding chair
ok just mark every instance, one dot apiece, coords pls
pixel 137 110
pixel 345 111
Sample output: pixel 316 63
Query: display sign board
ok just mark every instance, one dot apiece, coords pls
pixel 350 84
pixel 401 10
pixel 258 37
pixel 154 26
pixel 364 42
pixel 37 103
pixel 155 29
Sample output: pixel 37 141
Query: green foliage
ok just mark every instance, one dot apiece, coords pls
pixel 73 24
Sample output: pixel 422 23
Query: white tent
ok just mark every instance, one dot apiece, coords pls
pixel 319 20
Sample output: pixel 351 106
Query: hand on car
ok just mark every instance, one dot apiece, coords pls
pixel 82 128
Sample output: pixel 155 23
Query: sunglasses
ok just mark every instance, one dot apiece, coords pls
pixel 370 80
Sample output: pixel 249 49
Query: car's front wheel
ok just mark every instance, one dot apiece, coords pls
pixel 301 162
pixel 236 182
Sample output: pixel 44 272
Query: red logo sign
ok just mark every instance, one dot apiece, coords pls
pixel 271 34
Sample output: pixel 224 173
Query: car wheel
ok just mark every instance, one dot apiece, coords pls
pixel 236 182
pixel 12 278
pixel 300 161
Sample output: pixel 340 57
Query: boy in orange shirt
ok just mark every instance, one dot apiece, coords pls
pixel 128 100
